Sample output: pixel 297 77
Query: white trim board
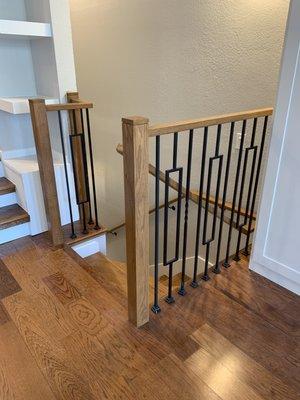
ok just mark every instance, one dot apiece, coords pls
pixel 8 199
pixel 269 269
pixel 276 239
pixel 20 105
pixel 24 29
pixel 92 246
pixel 14 232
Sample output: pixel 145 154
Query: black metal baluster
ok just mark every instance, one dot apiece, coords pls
pixel 155 308
pixel 226 263
pixel 97 226
pixel 194 282
pixel 206 241
pixel 240 227
pixel 89 202
pixel 170 299
pixel 216 269
pixel 73 235
pixel 262 144
pixel 80 200
pixel 182 290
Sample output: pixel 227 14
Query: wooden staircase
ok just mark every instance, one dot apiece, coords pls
pixel 11 215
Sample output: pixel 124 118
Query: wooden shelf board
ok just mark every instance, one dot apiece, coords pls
pixel 24 29
pixel 20 105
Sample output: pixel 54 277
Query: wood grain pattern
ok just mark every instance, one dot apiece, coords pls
pixel 6 186
pixel 135 144
pixel 61 288
pixel 8 284
pixel 19 373
pixel 3 315
pixel 48 353
pixel 220 379
pixel 238 363
pixel 46 168
pixel 68 106
pixel 235 337
pixel 184 126
pixel 12 215
pixel 81 237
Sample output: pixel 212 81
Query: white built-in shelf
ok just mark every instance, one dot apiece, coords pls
pixel 20 105
pixel 24 29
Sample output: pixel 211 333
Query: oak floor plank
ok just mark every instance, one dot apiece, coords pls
pixel 61 288
pixel 48 353
pixel 180 381
pixel 87 357
pixel 38 297
pixel 251 293
pixel 8 284
pixel 19 373
pixel 241 365
pixel 3 315
pixel 269 346
pixel 76 331
pixel 220 379
pixel 117 355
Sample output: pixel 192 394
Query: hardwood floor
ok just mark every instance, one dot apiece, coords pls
pixel 64 333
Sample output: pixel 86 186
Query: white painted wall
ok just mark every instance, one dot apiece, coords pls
pixel 170 60
pixel 276 249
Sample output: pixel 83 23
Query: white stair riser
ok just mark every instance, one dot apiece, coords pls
pixel 14 232
pixel 8 199
pixel 89 247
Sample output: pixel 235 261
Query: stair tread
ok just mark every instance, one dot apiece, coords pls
pixel 6 186
pixel 81 237
pixel 12 215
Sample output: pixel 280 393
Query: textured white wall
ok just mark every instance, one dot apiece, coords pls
pixel 276 253
pixel 171 59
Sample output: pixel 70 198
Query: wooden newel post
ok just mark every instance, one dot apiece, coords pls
pixel 46 168
pixel 136 160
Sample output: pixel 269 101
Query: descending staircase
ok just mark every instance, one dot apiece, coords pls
pixel 14 220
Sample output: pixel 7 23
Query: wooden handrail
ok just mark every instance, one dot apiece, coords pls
pixel 182 126
pixel 68 106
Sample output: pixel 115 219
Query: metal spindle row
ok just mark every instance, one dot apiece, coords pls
pixel 79 164
pixel 246 181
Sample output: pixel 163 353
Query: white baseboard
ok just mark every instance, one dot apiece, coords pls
pixel 278 277
pixel 14 232
pixel 8 199
pixel 89 247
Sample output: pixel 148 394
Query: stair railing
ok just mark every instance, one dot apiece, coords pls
pixel 218 171
pixel 79 128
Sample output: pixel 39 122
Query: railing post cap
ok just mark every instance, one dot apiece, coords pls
pixel 135 120
pixel 36 100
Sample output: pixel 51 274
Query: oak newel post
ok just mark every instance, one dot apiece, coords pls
pixel 45 161
pixel 135 145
